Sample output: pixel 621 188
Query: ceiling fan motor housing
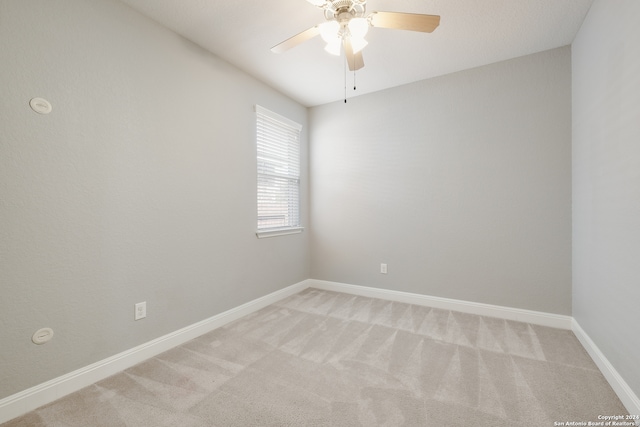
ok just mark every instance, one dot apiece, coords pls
pixel 338 9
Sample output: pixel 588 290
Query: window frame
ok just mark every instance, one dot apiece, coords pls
pixel 296 128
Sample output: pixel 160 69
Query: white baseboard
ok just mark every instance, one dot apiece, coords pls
pixel 42 394
pixel 619 385
pixel 517 314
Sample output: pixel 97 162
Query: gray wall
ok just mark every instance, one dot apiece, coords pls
pixel 461 184
pixel 139 186
pixel 606 182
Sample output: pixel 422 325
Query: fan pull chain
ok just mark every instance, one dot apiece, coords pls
pixel 354 79
pixel 345 78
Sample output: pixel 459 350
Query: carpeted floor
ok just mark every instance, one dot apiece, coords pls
pixel 323 358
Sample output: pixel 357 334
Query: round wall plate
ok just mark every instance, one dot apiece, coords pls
pixel 42 336
pixel 40 105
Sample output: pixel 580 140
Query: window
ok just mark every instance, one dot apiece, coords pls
pixel 278 155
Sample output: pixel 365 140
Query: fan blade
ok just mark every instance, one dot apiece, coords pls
pixel 405 21
pixel 354 60
pixel 296 40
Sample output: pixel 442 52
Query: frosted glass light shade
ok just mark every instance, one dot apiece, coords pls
pixel 358 27
pixel 333 47
pixel 358 43
pixel 329 31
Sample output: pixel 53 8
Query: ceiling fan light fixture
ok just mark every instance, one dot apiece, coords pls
pixel 329 31
pixel 358 43
pixel 347 24
pixel 333 47
pixel 358 27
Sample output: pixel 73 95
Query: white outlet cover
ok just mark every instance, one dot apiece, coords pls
pixel 42 336
pixel 141 310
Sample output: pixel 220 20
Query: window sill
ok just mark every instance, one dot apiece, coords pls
pixel 261 234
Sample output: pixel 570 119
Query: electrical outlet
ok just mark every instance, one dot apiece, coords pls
pixel 383 268
pixel 141 310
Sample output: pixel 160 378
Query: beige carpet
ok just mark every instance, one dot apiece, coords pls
pixel 324 358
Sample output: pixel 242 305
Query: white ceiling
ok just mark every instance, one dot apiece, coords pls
pixel 471 33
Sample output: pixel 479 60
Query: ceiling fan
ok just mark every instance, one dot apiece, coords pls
pixel 347 24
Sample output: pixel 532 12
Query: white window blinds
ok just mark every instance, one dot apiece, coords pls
pixel 278 155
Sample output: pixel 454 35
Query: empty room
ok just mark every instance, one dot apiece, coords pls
pixel 319 212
